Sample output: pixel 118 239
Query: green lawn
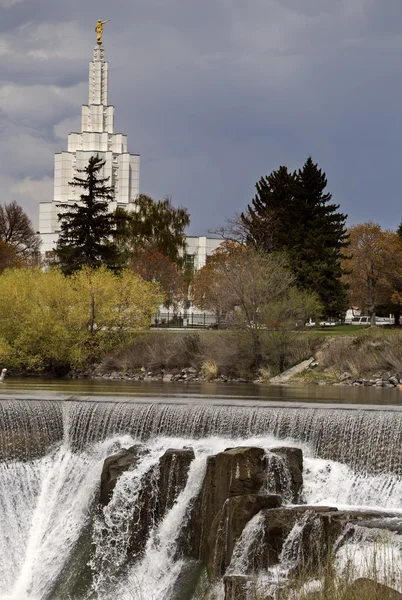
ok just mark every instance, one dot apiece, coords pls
pixel 340 330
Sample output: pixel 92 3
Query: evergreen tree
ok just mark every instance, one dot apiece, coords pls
pixel 292 212
pixel 270 217
pixel 87 227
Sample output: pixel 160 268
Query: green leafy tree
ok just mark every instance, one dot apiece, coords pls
pixel 88 229
pixel 50 322
pixel 293 213
pixel 158 225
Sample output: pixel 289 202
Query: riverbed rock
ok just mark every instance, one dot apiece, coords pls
pixel 240 587
pixel 113 467
pixel 293 459
pixel 316 534
pixel 173 472
pixel 234 472
pixel 228 526
pixel 367 589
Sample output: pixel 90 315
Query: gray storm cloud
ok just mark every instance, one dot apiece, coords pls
pixel 213 95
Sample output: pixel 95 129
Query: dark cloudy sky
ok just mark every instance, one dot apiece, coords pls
pixel 213 94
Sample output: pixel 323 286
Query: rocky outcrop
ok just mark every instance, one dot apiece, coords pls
pixel 234 472
pixel 240 587
pixel 316 534
pixel 293 464
pixel 173 472
pixel 113 467
pixel 227 528
pixel 158 489
pixel 367 589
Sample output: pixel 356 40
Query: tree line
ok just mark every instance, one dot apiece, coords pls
pixel 288 256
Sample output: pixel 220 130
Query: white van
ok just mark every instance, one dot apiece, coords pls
pixel 366 321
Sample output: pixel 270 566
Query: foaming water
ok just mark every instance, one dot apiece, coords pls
pixel 51 458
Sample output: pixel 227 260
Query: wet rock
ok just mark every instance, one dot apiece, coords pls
pixel 240 587
pixel 186 583
pixel 316 534
pixel 394 381
pixel 293 458
pixel 173 472
pixel 234 472
pixel 228 526
pixel 367 589
pixel 113 467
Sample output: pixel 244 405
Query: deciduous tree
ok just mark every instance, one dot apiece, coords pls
pixel 254 288
pixel 152 265
pixel 17 231
pixel 50 322
pixel 160 225
pixel 8 257
pixel 374 267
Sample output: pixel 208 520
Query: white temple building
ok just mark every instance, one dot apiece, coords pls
pixel 97 137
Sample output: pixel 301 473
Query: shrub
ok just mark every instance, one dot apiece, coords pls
pixel 209 370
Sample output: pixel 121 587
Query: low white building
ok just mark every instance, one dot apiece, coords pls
pixel 199 249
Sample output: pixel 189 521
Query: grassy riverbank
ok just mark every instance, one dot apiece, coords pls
pixel 341 354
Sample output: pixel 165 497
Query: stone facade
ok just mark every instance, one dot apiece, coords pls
pixel 97 137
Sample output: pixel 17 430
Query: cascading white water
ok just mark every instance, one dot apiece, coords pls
pixel 51 457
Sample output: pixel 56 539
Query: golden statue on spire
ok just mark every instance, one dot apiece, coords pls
pixel 99 30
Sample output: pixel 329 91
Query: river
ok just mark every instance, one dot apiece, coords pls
pixel 55 436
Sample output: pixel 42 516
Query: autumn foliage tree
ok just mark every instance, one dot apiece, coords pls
pixel 373 268
pixel 153 266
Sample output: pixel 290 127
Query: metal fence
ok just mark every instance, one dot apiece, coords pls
pixel 188 320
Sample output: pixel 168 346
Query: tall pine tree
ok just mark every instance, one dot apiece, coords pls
pixel 87 227
pixel 297 217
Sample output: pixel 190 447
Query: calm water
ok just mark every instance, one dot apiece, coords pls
pixel 217 393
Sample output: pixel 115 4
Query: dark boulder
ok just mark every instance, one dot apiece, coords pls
pixel 293 463
pixel 240 587
pixel 316 534
pixel 173 473
pixel 228 525
pixel 113 467
pixel 186 583
pixel 234 472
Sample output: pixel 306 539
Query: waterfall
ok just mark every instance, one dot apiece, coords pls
pixel 51 458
